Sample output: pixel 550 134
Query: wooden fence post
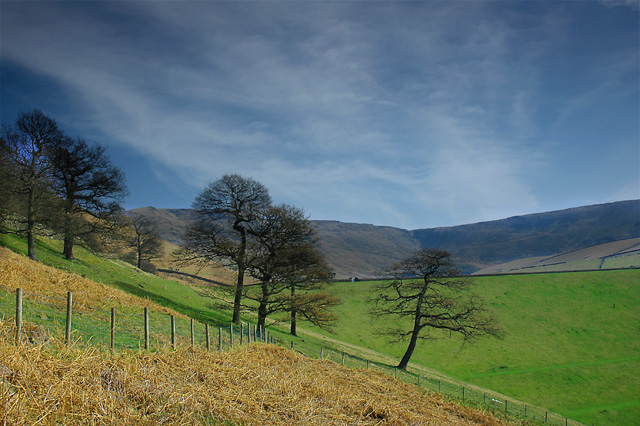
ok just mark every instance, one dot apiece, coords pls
pixel 231 334
pixel 208 340
pixel 112 341
pixel 193 337
pixel 241 333
pixel 506 406
pixel 146 329
pixel 18 315
pixel 173 332
pixel 67 334
pixel 220 339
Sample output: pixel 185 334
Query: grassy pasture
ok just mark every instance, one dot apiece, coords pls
pixel 568 349
pixel 572 343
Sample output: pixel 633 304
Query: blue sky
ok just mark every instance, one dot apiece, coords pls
pixel 407 114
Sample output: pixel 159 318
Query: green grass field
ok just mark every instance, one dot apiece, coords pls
pixel 572 343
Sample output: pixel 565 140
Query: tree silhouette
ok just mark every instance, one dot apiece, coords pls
pixel 225 210
pixel 427 288
pixel 89 186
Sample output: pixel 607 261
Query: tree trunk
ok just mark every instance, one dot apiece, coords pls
pixel 409 352
pixel 262 308
pixel 237 301
pixel 238 297
pixel 139 251
pixel 31 248
pixel 294 311
pixel 68 247
pixel 31 223
pixel 68 226
pixel 415 332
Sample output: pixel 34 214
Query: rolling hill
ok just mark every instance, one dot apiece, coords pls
pixel 361 250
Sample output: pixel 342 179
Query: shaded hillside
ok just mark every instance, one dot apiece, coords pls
pixel 541 234
pixel 361 250
pixel 170 223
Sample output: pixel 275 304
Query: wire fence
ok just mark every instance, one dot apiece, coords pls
pixel 40 319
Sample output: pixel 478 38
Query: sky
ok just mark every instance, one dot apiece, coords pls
pixel 407 114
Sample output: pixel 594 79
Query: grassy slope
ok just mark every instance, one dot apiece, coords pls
pixel 255 385
pixel 123 276
pixel 567 348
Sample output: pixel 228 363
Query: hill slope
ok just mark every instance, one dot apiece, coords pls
pixel 541 234
pixel 362 250
pixel 260 384
pixel 617 254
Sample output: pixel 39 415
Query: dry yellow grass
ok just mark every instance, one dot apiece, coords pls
pixel 258 384
pixel 17 271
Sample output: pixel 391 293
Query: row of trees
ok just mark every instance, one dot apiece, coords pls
pixel 53 183
pixel 238 226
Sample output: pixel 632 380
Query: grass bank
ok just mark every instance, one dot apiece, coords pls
pixel 572 343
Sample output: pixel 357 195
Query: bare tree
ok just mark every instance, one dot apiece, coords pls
pixel 225 209
pixel 27 146
pixel 144 239
pixel 283 256
pixel 89 187
pixel 428 289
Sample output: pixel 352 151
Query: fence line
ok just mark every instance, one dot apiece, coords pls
pixel 146 330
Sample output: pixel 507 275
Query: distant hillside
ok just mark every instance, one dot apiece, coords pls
pixel 360 250
pixel 171 223
pixel 614 255
pixel 541 234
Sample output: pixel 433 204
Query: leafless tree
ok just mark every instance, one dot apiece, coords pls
pixel 225 210
pixel 27 147
pixel 144 239
pixel 283 256
pixel 90 189
pixel 428 289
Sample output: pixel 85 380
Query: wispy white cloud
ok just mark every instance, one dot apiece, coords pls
pixel 409 114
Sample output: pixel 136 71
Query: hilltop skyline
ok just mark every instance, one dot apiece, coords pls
pixel 405 114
